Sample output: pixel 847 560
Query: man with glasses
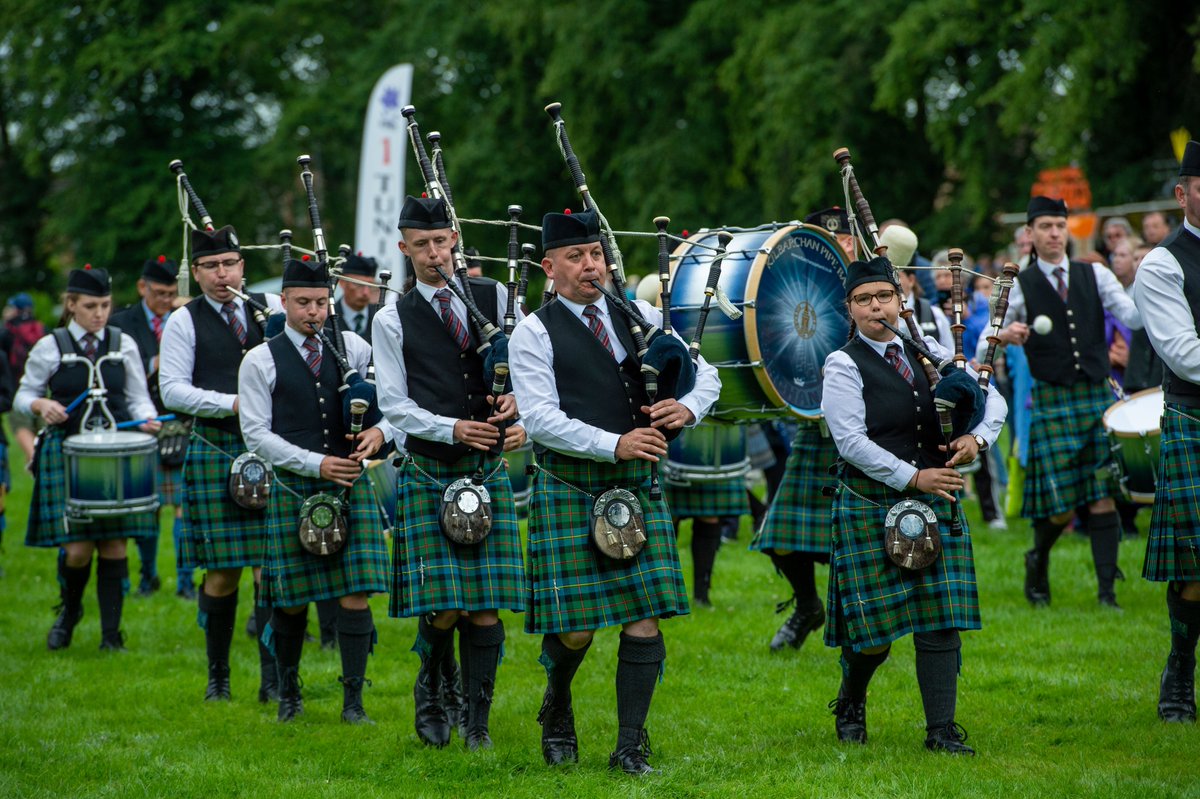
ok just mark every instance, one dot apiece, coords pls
pixel 202 349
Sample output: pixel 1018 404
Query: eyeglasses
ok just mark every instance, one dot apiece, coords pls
pixel 228 263
pixel 863 300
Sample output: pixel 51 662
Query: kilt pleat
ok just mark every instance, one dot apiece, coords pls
pixel 712 498
pixel 430 572
pixel 293 576
pixel 48 525
pixel 871 600
pixel 572 586
pixel 1068 449
pixel 799 517
pixel 216 532
pixel 1173 545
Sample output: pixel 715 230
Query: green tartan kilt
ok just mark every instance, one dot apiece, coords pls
pixel 711 498
pixel 572 586
pixel 799 517
pixel 430 572
pixel 216 532
pixel 872 601
pixel 48 525
pixel 1067 447
pixel 1173 546
pixel 293 576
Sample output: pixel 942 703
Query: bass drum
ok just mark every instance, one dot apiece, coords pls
pixel 1134 435
pixel 789 280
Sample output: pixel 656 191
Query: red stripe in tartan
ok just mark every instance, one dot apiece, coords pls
pixel 1067 447
pixel 799 519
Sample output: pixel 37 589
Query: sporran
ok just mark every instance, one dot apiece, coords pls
pixel 323 528
pixel 618 526
pixel 911 538
pixel 250 479
pixel 466 516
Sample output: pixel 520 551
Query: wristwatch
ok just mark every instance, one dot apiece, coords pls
pixel 981 441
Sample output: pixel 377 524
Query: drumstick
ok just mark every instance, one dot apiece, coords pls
pixel 75 403
pixel 170 417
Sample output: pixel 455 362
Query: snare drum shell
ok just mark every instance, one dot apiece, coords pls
pixel 707 453
pixel 112 473
pixel 1134 426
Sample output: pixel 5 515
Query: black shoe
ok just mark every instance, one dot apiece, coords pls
pixel 632 759
pixel 850 719
pixel 113 642
pixel 329 644
pixel 1108 599
pixel 559 744
pixel 478 738
pixel 187 592
pixel 218 683
pixel 149 586
pixel 950 739
pixel 453 698
pixel 431 721
pixel 268 685
pixel 291 703
pixel 1037 581
pixel 798 626
pixel 1177 690
pixel 478 711
pixel 64 627
pixel 352 704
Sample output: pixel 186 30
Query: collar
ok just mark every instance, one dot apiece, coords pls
pixel 427 291
pixel 150 314
pixel 219 307
pixel 880 347
pixel 601 305
pixel 1048 268
pixel 296 337
pixel 78 331
pixel 1195 231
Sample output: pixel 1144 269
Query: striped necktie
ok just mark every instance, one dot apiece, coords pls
pixel 892 356
pixel 90 345
pixel 235 324
pixel 156 324
pixel 597 327
pixel 312 355
pixel 1061 284
pixel 454 325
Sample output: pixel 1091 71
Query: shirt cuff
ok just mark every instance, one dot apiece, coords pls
pixel 901 478
pixel 312 464
pixel 690 404
pixel 608 445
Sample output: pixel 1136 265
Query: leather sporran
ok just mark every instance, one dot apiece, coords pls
pixel 250 479
pixel 323 527
pixel 618 526
pixel 173 442
pixel 466 516
pixel 911 538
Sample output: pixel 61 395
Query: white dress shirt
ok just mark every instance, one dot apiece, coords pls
pixel 845 411
pixel 391 374
pixel 1112 294
pixel 177 357
pixel 256 381
pixel 1158 291
pixel 44 360
pixel 531 359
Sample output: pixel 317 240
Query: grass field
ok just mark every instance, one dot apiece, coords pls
pixel 1058 702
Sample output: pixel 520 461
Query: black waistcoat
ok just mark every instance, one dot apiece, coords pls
pixel 900 418
pixel 133 323
pixel 219 354
pixel 307 411
pixel 925 320
pixel 441 378
pixel 1186 249
pixel 343 321
pixel 1075 349
pixel 592 386
pixel 71 379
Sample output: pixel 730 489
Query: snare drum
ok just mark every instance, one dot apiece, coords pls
pixel 522 486
pixel 790 283
pixel 707 453
pixel 1134 434
pixel 111 473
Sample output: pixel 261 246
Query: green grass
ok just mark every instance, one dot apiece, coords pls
pixel 1059 702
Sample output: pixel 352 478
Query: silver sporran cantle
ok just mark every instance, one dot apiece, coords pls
pixel 323 526
pixel 911 537
pixel 618 526
pixel 466 515
pixel 250 479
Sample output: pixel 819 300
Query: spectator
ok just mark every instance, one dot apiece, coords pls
pixel 1155 227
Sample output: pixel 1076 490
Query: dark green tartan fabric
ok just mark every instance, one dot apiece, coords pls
pixel 48 526
pixel 432 573
pixel 799 519
pixel 216 533
pixel 872 601
pixel 1173 546
pixel 715 498
pixel 1067 445
pixel 572 586
pixel 292 576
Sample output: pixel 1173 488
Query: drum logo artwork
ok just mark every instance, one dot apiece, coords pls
pixel 804 319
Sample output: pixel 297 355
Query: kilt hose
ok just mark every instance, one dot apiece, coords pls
pixel 217 533
pixel 872 601
pixel 799 519
pixel 711 498
pixel 1173 546
pixel 572 586
pixel 48 525
pixel 430 572
pixel 1067 446
pixel 294 576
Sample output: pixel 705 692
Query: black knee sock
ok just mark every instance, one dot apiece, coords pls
pixel 937 675
pixel 74 581
pixel 639 662
pixel 464 654
pixel 561 663
pixel 799 568
pixel 432 643
pixel 328 611
pixel 1105 531
pixel 483 656
pixel 857 670
pixel 288 630
pixel 758 508
pixel 706 540
pixel 266 659
pixel 221 612
pixel 147 547
pixel 1185 624
pixel 1045 533
pixel 356 631
pixel 112 576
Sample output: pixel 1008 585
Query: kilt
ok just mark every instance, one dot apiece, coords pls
pixel 48 526
pixel 293 576
pixel 430 572
pixel 872 601
pixel 799 517
pixel 703 499
pixel 170 485
pixel 1067 446
pixel 216 533
pixel 1173 546
pixel 574 588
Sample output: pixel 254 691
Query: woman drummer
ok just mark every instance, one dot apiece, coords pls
pixel 47 389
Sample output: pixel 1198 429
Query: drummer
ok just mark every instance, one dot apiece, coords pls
pixel 47 389
pixel 837 222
